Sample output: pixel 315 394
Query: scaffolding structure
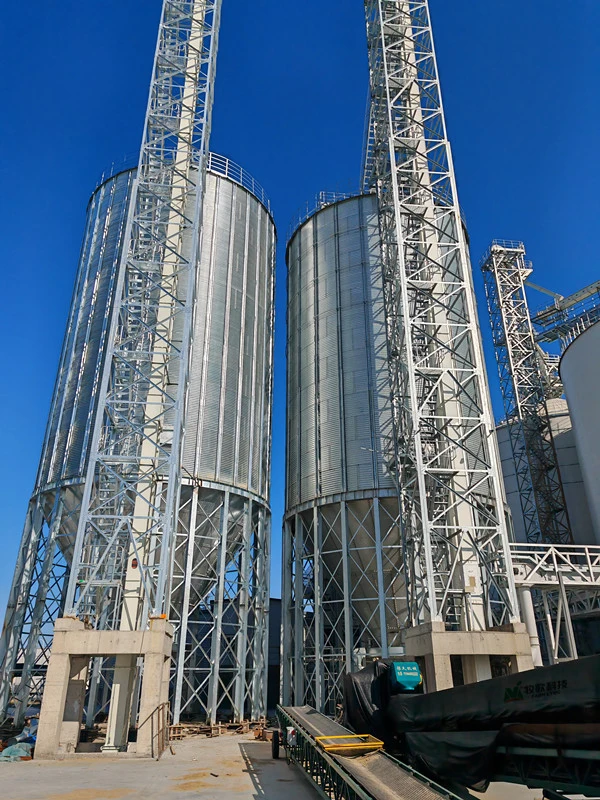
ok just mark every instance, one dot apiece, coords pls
pixel 458 564
pixel 525 387
pixel 105 553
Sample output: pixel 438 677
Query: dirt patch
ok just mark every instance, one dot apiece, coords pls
pixel 91 794
pixel 202 779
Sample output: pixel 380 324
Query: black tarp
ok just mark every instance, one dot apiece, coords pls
pixel 453 735
pixel 463 757
pixel 470 758
pixel 556 737
pixel 562 693
pixel 366 696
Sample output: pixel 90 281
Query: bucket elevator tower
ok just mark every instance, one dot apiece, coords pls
pixel 152 497
pixel 525 392
pixel 458 568
pixel 456 572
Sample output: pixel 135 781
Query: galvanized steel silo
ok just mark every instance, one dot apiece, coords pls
pixel 581 378
pixel 220 563
pixel 343 594
pixel 220 582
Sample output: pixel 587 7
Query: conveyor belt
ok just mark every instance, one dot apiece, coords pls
pixel 379 774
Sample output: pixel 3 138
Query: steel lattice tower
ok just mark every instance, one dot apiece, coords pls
pixel 456 545
pixel 126 518
pixel 524 391
pixel 136 446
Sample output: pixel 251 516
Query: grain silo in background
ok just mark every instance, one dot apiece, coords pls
pixel 580 374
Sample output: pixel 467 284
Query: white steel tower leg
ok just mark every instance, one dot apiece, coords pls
pixel 459 569
pixel 35 601
pixel 138 430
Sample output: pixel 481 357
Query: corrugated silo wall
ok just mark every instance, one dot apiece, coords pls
pixel 219 585
pixel 64 453
pixel 580 374
pixel 342 593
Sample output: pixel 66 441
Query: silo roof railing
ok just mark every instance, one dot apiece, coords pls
pixel 128 162
pixel 220 165
pixel 321 200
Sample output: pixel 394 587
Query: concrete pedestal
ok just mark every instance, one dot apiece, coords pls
pixel 120 704
pixel 433 643
pixel 64 693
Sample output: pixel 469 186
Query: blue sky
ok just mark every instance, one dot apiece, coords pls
pixel 520 86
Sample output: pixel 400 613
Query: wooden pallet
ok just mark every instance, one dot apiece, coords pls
pixel 185 729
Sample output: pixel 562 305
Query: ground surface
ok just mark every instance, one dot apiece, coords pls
pixel 236 767
pixel 223 768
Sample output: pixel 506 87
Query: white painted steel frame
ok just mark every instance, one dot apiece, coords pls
pixel 135 452
pixel 564 581
pixel 568 317
pixel 458 566
pixel 524 393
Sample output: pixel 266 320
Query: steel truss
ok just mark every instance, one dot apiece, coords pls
pixel 129 509
pixel 344 595
pixel 458 562
pixel 568 316
pixel 524 387
pixel 565 583
pixel 219 604
pixel 36 599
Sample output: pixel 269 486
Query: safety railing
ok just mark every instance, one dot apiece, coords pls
pixel 220 165
pixel 161 726
pixel 217 164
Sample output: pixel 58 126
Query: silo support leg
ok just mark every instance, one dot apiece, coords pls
pixel 242 635
pixel 215 655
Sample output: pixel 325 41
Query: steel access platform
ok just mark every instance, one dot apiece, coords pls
pixel 372 776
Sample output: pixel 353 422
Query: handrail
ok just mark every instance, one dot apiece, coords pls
pixel 161 728
pixel 217 164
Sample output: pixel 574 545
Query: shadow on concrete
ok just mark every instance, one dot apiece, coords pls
pixel 274 779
